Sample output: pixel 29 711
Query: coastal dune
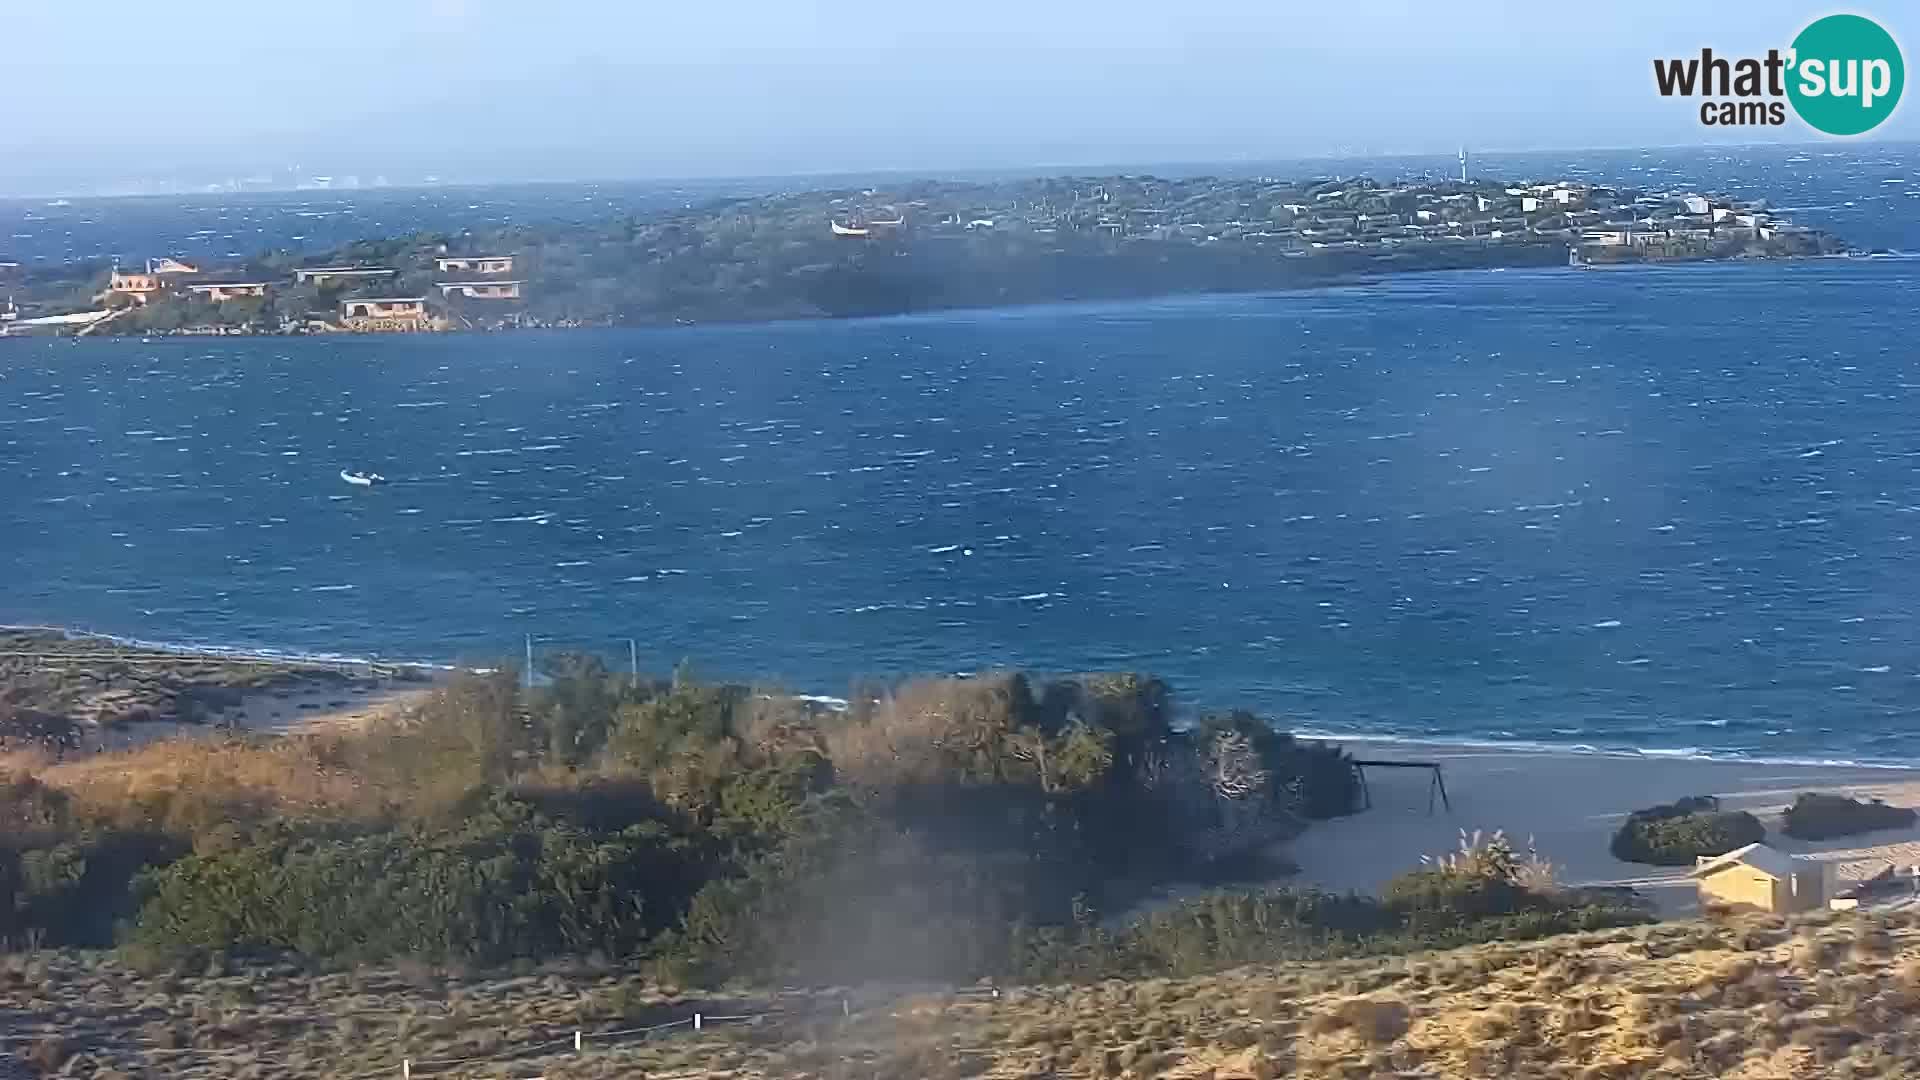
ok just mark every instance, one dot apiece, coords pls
pixel 1570 804
pixel 278 711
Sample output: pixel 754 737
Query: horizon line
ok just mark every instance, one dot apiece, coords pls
pixel 1042 168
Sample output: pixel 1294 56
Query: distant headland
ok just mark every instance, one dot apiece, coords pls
pixel 917 246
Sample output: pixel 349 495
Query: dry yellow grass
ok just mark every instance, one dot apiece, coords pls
pixel 193 782
pixel 447 741
pixel 1677 1000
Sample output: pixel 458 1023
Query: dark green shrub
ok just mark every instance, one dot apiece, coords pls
pixel 73 892
pixel 1225 930
pixel 1676 834
pixel 1134 707
pixel 1328 784
pixel 1436 896
pixel 505 885
pixel 1310 779
pixel 1817 816
pixel 771 801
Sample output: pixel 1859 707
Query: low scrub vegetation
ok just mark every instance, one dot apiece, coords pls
pixel 503 884
pixel 1756 997
pixel 1817 816
pixel 940 828
pixel 1675 834
pixel 784 924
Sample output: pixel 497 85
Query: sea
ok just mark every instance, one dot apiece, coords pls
pixel 1662 510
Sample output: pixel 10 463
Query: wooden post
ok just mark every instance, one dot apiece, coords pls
pixel 576 1041
pixel 696 1021
pixel 406 1069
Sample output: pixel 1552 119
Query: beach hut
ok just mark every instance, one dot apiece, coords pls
pixel 1757 876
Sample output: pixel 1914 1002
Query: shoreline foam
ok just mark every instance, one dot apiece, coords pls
pixel 1588 749
pixel 263 654
pixel 1464 740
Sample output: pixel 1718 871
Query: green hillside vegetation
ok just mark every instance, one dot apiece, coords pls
pixel 939 829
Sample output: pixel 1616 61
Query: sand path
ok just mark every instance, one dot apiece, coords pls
pixel 284 711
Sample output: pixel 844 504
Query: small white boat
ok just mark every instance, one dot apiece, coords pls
pixel 361 479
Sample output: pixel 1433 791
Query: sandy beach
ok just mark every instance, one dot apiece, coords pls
pixel 328 708
pixel 1570 804
pixel 308 710
pixel 81 694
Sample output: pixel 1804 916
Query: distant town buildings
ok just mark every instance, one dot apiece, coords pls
pixel 390 313
pixel 474 264
pixel 139 287
pixel 870 224
pixel 334 275
pixel 354 312
pixel 228 290
pixel 385 307
pixel 481 290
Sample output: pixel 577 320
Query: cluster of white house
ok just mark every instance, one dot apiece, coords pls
pixel 1700 218
pixel 1359 213
pixel 485 280
pixel 1578 214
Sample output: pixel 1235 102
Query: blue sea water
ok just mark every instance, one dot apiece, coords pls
pixel 1665 508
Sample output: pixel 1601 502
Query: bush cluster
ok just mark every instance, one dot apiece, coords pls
pixel 505 884
pixel 1675 834
pixel 1485 892
pixel 941 828
pixel 1818 816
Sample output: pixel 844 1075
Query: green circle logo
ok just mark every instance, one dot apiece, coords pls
pixel 1847 74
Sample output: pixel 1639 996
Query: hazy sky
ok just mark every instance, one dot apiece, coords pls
pixel 111 91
